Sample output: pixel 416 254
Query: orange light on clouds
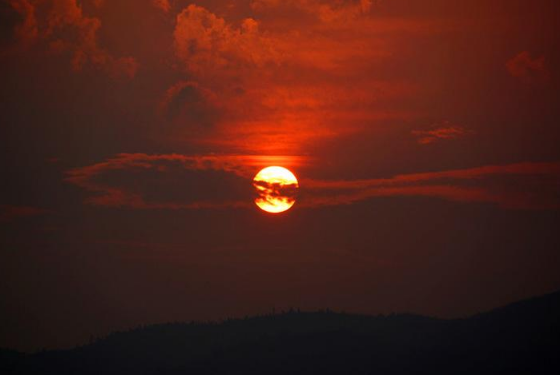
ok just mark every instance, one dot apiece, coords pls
pixel 276 188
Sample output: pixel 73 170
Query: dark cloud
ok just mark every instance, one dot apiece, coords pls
pixel 528 69
pixel 9 20
pixel 62 27
pixel 171 181
pixel 439 132
pixel 191 105
pixel 190 182
pixel 9 213
pixel 514 186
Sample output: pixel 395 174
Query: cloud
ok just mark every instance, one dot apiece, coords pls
pixel 300 72
pixel 527 69
pixel 9 213
pixel 162 4
pixel 191 104
pixel 62 26
pixel 206 44
pixel 513 186
pixel 18 19
pixel 98 3
pixel 332 11
pixel 274 90
pixel 172 181
pixel 439 132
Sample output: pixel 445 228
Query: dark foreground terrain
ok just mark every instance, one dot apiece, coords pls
pixel 522 338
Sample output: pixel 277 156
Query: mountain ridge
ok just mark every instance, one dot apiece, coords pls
pixel 521 336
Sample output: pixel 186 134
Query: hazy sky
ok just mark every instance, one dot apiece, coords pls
pixel 424 134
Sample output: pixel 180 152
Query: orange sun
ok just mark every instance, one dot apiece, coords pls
pixel 276 187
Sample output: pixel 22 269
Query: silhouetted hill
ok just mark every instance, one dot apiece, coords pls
pixel 520 338
pixel 8 359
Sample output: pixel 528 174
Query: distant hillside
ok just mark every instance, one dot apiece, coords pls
pixel 520 338
pixel 8 359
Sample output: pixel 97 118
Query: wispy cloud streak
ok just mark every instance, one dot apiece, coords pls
pixel 173 181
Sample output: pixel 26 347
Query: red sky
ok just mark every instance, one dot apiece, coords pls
pixel 424 134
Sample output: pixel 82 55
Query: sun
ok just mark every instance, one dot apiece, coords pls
pixel 276 188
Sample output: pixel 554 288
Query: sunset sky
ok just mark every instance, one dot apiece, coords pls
pixel 424 134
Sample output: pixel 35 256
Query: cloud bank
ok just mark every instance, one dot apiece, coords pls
pixel 173 181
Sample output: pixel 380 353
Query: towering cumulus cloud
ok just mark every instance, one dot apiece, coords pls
pixel 62 26
pixel 207 44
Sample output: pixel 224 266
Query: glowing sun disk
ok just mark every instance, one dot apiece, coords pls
pixel 276 187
